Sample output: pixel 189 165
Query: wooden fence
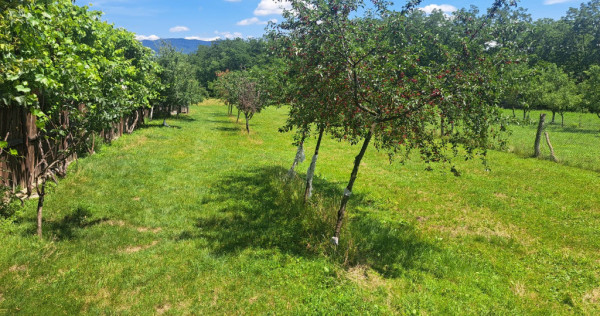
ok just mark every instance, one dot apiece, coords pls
pixel 20 171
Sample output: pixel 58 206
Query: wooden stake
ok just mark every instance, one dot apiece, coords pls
pixel 551 148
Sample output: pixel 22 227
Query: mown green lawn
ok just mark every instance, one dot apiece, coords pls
pixel 199 219
pixel 576 142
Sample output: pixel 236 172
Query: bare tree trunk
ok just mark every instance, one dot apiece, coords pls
pixel 299 156
pixel 132 127
pixel 151 113
pixel 538 136
pixel 442 126
pixel 562 119
pixel 348 191
pixel 311 169
pixel 513 110
pixel 247 125
pixel 553 116
pixel 42 194
pixel 238 118
pixel 93 143
pixel 552 155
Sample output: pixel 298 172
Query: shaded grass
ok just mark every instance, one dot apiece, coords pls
pixel 202 220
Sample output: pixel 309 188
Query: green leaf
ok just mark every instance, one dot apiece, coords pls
pixel 38 113
pixel 22 88
pixel 3 144
pixel 13 152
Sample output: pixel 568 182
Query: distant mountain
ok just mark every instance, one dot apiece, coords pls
pixel 181 44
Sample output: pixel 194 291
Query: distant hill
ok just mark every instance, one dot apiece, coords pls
pixel 181 44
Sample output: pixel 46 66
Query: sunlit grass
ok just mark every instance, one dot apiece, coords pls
pixel 200 219
pixel 576 144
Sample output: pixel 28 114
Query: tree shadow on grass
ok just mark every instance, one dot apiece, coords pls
pixel 228 129
pixel 574 130
pixel 260 209
pixel 67 227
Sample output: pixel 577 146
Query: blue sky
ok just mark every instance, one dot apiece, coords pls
pixel 212 19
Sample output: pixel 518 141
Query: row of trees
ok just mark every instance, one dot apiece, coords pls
pixel 406 80
pixel 77 75
pixel 546 86
pixel 551 60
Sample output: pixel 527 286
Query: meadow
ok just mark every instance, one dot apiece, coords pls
pixel 575 142
pixel 201 219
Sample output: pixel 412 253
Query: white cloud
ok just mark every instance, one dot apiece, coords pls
pixel 255 20
pixel 446 8
pixel 208 39
pixel 229 35
pixel 144 37
pixel 179 29
pixel 556 1
pixel 270 7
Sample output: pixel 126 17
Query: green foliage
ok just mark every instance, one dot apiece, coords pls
pixel 180 87
pixel 555 90
pixel 60 59
pixel 591 90
pixel 351 72
pixel 230 54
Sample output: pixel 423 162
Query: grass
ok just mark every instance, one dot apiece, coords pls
pixel 200 220
pixel 575 144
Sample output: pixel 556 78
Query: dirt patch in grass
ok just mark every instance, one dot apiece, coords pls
pixel 365 277
pixel 116 223
pixel 140 229
pixel 592 296
pixel 500 195
pixel 147 229
pixel 520 290
pixel 17 268
pixel 133 249
pixel 161 309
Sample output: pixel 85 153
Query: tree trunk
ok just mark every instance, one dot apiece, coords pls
pixel 247 125
pixel 538 136
pixel 238 118
pixel 165 122
pixel 553 116
pixel 42 194
pixel 151 113
pixel 311 169
pixel 93 143
pixel 562 119
pixel 442 126
pixel 348 191
pixel 524 114
pixel 299 156
pixel 513 110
